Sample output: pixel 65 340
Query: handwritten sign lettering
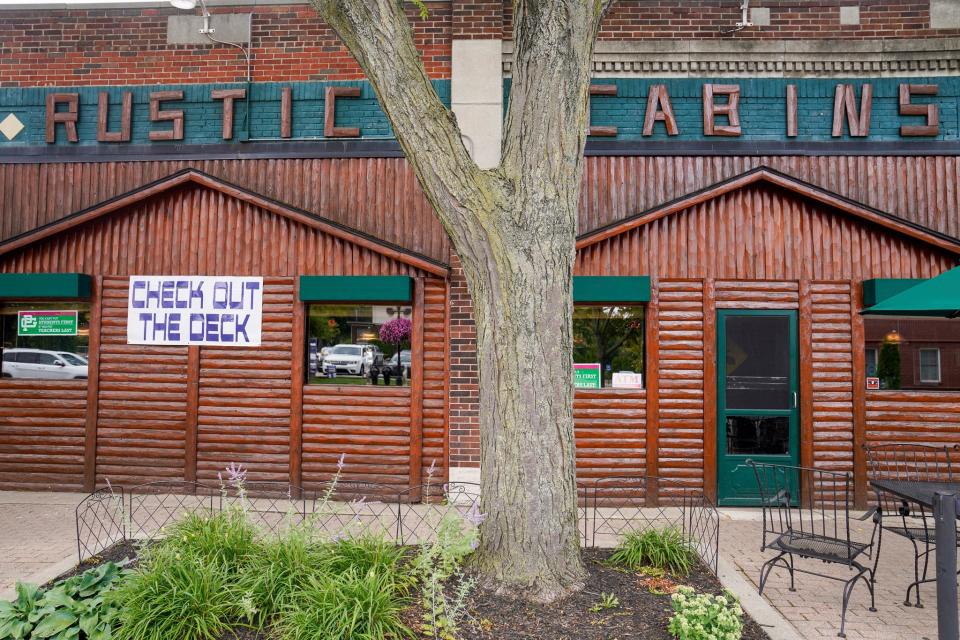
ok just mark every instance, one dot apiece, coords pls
pixel 201 310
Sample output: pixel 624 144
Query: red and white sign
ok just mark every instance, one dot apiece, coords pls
pixel 873 383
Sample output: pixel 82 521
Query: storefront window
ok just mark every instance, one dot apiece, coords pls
pixel 359 344
pixel 608 346
pixel 913 352
pixel 44 340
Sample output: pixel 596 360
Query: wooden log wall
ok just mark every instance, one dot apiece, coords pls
pixel 42 434
pixel 370 425
pixel 380 196
pixel 244 409
pixel 142 401
pixel 184 413
pixel 764 247
pixel 681 380
pixel 610 432
pixel 912 416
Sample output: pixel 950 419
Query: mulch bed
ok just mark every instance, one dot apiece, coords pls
pixel 123 553
pixel 640 615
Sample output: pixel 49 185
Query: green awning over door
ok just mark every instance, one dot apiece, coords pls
pixel 936 297
pixel 45 285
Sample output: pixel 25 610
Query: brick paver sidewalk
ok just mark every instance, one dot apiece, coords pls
pixel 37 533
pixel 814 608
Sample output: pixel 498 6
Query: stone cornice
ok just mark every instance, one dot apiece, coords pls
pixel 771 58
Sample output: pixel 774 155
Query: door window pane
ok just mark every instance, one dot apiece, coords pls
pixel 758 435
pixel 757 364
pixel 346 345
pixel 27 353
pixel 611 337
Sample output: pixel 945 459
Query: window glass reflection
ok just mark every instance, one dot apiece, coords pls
pixel 46 341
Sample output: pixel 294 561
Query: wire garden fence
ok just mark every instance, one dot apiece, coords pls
pixel 608 509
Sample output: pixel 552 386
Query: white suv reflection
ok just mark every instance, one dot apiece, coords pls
pixel 48 365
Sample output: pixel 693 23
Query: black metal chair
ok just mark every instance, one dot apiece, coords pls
pixel 806 513
pixel 911 462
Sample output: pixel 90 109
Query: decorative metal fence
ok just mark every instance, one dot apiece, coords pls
pixel 608 509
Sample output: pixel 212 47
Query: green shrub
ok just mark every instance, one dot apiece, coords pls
pixel 364 553
pixel 352 605
pixel 227 539
pixel 705 617
pixel 663 549
pixel 172 595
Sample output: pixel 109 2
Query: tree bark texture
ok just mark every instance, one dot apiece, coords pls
pixel 514 230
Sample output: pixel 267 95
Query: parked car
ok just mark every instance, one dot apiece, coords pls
pixel 37 363
pixel 405 360
pixel 355 359
pixel 73 358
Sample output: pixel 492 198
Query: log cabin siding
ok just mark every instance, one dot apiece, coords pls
pixel 187 412
pixel 381 197
pixel 41 434
pixel 244 408
pixel 912 416
pixel 142 401
pixel 610 432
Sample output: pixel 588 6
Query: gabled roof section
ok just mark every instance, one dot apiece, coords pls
pixel 766 175
pixel 194 176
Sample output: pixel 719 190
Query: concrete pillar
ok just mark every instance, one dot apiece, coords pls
pixel 476 92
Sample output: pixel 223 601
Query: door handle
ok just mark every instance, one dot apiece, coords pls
pixel 794 399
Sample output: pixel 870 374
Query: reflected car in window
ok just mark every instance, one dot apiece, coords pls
pixel 40 364
pixel 354 359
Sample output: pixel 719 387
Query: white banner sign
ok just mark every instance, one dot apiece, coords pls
pixel 225 311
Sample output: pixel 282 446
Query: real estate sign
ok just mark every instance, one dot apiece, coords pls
pixel 226 311
pixel 586 376
pixel 46 323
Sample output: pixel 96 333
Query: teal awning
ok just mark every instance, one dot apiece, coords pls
pixel 611 289
pixel 356 288
pixel 45 285
pixel 936 297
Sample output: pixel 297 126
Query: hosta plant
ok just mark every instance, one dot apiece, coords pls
pixel 700 616
pixel 76 609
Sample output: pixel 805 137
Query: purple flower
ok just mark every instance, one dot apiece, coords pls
pixel 474 516
pixel 432 469
pixel 237 474
pixel 340 461
pixel 396 330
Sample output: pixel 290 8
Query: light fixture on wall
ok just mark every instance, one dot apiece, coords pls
pixel 207 30
pixel 893 337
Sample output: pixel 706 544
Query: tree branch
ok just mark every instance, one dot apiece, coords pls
pixel 378 34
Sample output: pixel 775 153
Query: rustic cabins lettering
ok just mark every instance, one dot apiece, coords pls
pixel 720 108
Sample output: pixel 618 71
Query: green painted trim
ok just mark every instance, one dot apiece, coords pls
pixel 879 289
pixel 356 288
pixel 45 285
pixel 631 289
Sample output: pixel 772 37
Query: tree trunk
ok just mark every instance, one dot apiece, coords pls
pixel 514 230
pixel 522 301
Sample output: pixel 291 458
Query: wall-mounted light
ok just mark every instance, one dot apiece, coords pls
pixel 207 30
pixel 893 337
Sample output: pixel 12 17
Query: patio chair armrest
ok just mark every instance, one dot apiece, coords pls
pixel 872 512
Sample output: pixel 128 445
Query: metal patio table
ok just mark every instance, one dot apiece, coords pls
pixel 942 498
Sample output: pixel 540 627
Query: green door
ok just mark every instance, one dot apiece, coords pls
pixel 757 398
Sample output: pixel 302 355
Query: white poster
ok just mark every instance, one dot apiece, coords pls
pixel 225 311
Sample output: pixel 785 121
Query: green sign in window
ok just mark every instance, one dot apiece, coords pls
pixel 586 376
pixel 47 323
